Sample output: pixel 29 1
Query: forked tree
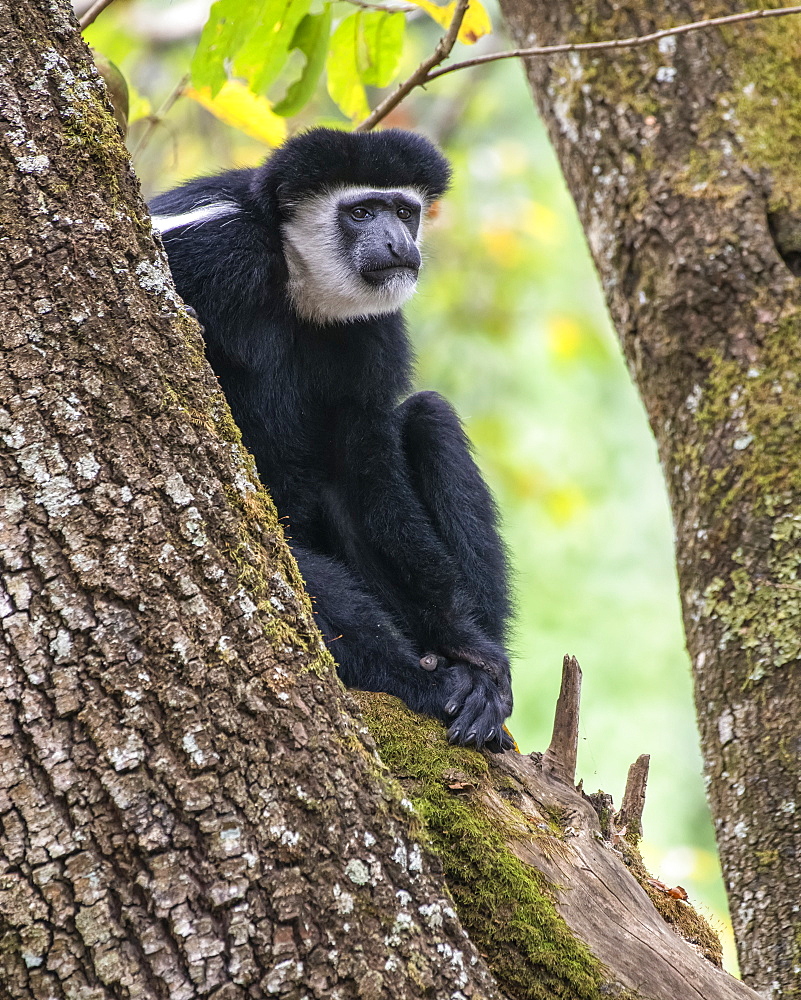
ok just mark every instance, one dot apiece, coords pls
pixel 190 804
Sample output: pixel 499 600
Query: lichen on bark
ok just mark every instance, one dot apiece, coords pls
pixel 684 169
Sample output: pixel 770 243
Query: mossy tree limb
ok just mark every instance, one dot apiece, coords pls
pixel 684 162
pixel 555 909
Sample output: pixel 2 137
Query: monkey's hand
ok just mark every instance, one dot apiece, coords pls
pixel 477 707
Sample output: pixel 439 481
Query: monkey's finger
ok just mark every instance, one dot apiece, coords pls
pixel 481 718
pixel 507 741
pixel 476 718
pixel 460 685
pixel 494 745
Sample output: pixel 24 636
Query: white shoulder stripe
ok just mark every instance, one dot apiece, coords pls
pixel 204 213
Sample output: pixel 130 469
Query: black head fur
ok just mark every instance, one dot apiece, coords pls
pixel 325 158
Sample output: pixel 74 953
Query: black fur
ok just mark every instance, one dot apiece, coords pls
pixel 325 158
pixel 392 526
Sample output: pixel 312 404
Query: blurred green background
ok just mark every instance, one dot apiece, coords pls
pixel 510 324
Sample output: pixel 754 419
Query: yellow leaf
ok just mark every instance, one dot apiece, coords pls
pixel 565 502
pixel 504 244
pixel 564 337
pixel 236 105
pixel 475 25
pixel 542 222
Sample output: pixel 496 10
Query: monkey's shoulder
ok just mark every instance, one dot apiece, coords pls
pixel 229 186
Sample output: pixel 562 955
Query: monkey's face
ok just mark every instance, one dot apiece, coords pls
pixel 353 253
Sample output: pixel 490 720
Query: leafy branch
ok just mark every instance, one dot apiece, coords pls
pixel 427 70
pixel 244 41
pixel 421 75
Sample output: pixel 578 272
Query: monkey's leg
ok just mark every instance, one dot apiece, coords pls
pixel 370 651
pixel 459 504
pixel 463 513
pixel 437 598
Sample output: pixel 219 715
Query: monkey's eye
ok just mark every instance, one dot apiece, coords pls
pixel 404 213
pixel 359 213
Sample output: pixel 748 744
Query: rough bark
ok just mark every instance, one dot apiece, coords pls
pixel 684 163
pixel 186 807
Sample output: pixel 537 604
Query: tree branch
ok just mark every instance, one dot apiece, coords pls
pixel 617 43
pixel 156 119
pixel 630 815
pixel 94 11
pixel 559 760
pixel 398 8
pixel 426 71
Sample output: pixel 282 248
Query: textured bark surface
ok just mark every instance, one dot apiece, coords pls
pixel 684 163
pixel 186 809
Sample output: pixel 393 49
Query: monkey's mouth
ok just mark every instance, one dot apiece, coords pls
pixel 382 275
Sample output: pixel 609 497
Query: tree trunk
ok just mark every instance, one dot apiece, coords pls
pixel 683 160
pixel 187 808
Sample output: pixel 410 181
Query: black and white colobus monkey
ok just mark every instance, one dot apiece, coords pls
pixel 298 270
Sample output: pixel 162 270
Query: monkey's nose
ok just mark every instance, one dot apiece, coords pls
pixel 406 254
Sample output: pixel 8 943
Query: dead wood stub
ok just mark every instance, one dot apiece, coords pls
pixel 559 760
pixel 630 815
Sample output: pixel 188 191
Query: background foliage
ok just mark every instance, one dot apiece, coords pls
pixel 509 323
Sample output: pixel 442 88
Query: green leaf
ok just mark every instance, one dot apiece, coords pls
pixel 311 38
pixel 381 47
pixel 344 83
pixel 253 37
pixel 263 55
pixel 223 35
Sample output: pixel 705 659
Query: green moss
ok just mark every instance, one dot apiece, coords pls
pixel 93 134
pixel 751 501
pixel 678 913
pixel 767 858
pixel 505 906
pixel 766 99
pixel 617 76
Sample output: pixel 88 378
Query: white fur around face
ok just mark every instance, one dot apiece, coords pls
pixel 325 287
pixel 203 213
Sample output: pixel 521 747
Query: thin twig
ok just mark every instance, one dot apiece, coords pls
pixel 426 71
pixel 155 119
pixel 420 75
pixel 615 43
pixel 398 8
pixel 94 11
